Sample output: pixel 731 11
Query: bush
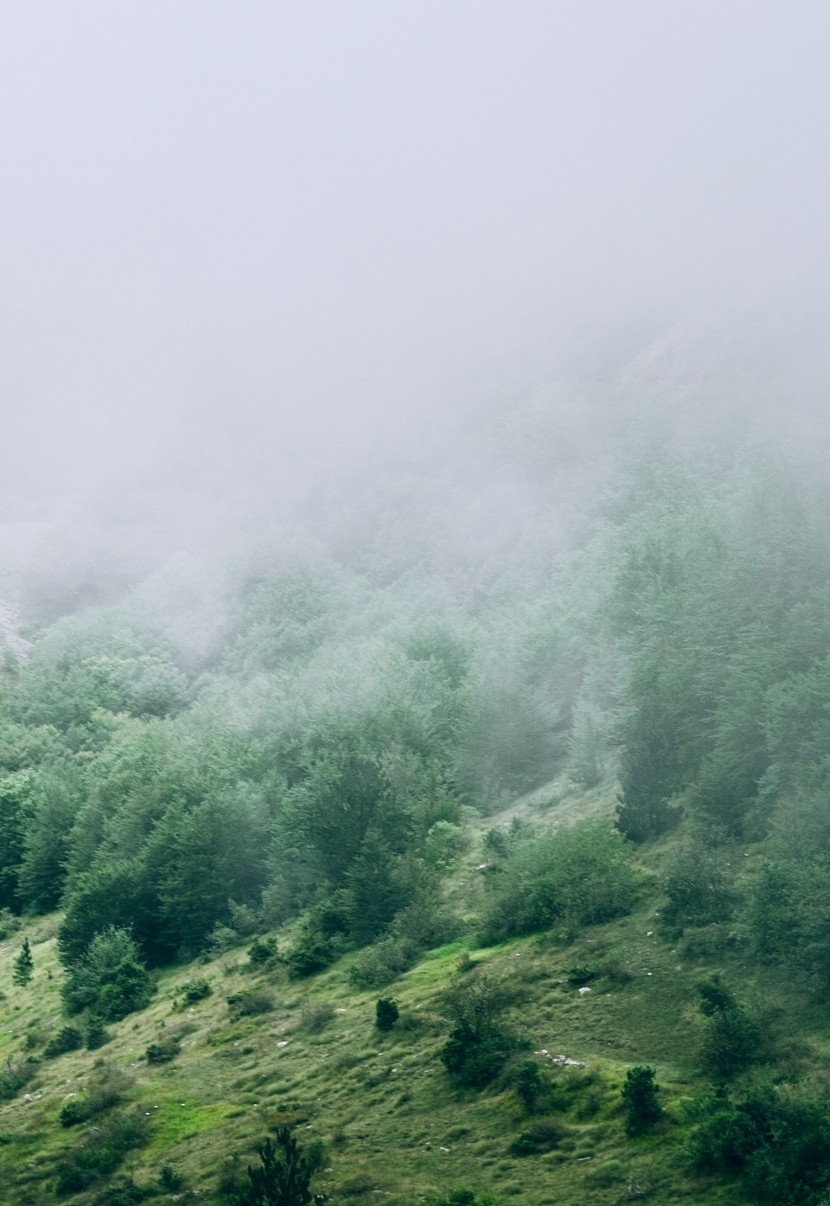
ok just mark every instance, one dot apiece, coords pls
pixel 95 1034
pixel 196 990
pixel 14 1074
pixel 542 1136
pixel 102 1152
pixel 317 1017
pixel 69 1038
pixel 386 1013
pixel 697 887
pixel 163 1052
pixel 379 965
pixel 310 954
pixel 252 1002
pixel 479 1044
pixel 775 1139
pixel 529 1084
pixel 105 1089
pixel 732 1037
pixel 581 874
pixel 642 1109
pixel 262 952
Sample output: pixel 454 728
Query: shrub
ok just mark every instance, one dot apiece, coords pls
pixel 581 874
pixel 542 1136
pixel 14 1074
pixel 775 1139
pixel 382 963
pixel 697 888
pixel 479 1044
pixel 529 1084
pixel 732 1037
pixel 105 1089
pixel 252 1002
pixel 262 952
pixel 102 1152
pixel 386 1013
pixel 316 1017
pixel 95 1033
pixel 311 953
pixel 196 990
pixel 69 1038
pixel 642 1109
pixel 163 1052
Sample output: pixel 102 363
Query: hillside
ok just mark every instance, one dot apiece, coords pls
pixel 391 1123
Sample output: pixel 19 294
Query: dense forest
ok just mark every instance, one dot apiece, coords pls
pixel 293 751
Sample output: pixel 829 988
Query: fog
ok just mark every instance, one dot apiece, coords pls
pixel 248 249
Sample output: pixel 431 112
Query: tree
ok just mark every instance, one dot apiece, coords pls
pixel 283 1176
pixel 732 1039
pixel 642 1109
pixel 24 966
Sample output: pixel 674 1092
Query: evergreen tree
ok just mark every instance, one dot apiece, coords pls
pixel 283 1177
pixel 24 966
pixel 642 1109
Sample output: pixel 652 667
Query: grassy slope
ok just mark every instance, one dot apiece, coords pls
pixel 394 1127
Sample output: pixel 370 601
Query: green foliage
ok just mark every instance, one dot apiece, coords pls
pixel 14 1074
pixel 283 1176
pixel 262 952
pixel 382 963
pixel 580 874
pixel 529 1084
pixel 101 1152
pixel 24 966
pixel 732 1037
pixel 109 979
pixel 775 1139
pixel 640 1104
pixel 480 1043
pixel 697 885
pixel 68 1038
pixel 542 1136
pixel 386 1013
pixel 163 1052
pixel 251 1003
pixel 196 990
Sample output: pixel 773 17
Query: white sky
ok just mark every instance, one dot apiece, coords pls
pixel 305 220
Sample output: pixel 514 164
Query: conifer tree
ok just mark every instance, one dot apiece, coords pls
pixel 24 966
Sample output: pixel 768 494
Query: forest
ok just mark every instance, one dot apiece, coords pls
pixel 355 754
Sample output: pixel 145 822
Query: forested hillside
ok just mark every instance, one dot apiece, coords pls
pixel 539 726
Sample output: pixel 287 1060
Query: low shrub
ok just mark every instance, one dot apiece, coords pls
pixel 386 1013
pixel 579 875
pixel 14 1074
pixel 262 952
pixel 95 1034
pixel 542 1136
pixel 379 965
pixel 252 1002
pixel 69 1038
pixel 195 990
pixel 315 1018
pixel 163 1052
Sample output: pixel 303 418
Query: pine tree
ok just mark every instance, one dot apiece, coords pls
pixel 24 966
pixel 283 1176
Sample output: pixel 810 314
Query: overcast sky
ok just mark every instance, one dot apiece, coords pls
pixel 310 219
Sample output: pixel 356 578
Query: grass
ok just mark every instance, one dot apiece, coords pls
pixel 392 1124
